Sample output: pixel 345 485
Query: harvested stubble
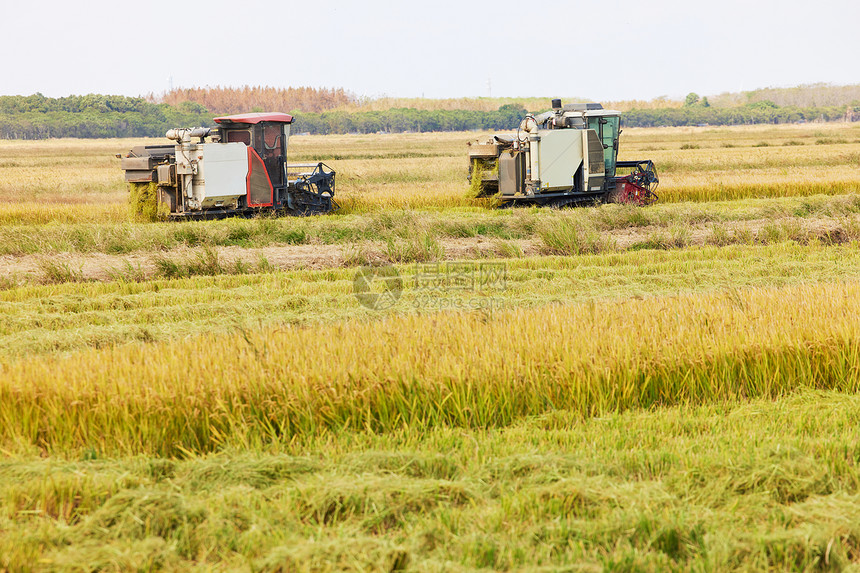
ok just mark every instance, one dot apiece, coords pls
pixel 414 371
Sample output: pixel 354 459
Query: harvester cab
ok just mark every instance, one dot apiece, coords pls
pixel 241 169
pixel 565 156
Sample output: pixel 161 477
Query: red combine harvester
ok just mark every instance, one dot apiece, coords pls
pixel 242 169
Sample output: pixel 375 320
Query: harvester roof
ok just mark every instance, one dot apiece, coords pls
pixel 254 118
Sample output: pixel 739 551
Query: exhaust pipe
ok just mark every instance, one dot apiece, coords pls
pixel 184 135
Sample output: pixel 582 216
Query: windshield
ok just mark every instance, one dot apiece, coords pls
pixel 607 130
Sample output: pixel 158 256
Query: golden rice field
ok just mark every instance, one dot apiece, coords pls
pixel 670 388
pixel 71 181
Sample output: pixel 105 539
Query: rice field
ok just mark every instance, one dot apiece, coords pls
pixel 418 372
pixel 71 181
pixel 608 388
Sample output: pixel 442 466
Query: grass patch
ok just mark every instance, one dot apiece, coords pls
pixel 507 249
pixel 357 255
pixel 564 236
pixel 418 249
pixel 55 272
pixel 206 262
pixel 674 238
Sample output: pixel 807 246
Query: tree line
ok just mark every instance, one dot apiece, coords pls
pixel 808 95
pixel 698 112
pixel 99 116
pixel 408 120
pixel 93 116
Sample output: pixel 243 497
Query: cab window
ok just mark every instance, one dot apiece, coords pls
pixel 239 136
pixel 272 135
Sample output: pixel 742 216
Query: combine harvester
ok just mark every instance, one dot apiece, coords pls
pixel 241 170
pixel 566 156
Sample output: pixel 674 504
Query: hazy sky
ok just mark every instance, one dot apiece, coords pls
pixel 605 50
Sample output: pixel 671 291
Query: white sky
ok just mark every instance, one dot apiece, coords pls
pixel 604 50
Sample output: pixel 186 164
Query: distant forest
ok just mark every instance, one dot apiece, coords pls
pixel 321 111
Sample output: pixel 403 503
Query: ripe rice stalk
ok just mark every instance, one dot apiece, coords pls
pixel 143 203
pixel 476 177
pixel 480 167
pixel 422 370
